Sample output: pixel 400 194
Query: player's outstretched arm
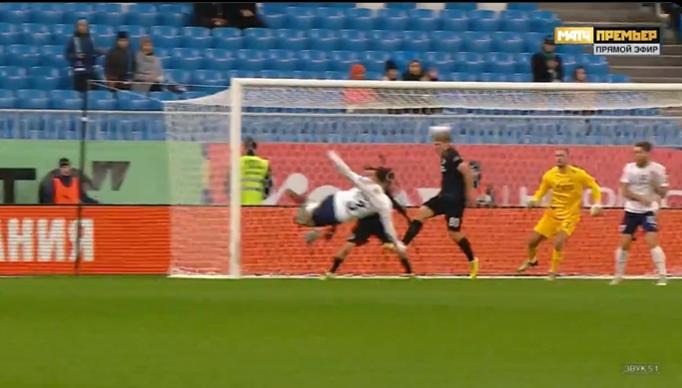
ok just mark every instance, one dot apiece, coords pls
pixel 540 192
pixel 595 191
pixel 343 168
pixel 387 221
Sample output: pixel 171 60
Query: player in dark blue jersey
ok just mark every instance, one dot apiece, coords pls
pixel 457 190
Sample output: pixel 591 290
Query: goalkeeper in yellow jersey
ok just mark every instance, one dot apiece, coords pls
pixel 567 183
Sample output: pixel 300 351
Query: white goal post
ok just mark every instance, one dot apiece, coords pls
pixel 245 93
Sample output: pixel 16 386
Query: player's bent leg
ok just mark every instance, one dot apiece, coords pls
pixel 657 256
pixel 621 256
pixel 417 223
pixel 339 258
pixel 533 242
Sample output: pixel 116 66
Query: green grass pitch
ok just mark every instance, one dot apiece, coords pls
pixel 157 332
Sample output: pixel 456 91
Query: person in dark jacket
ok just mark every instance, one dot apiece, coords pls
pixel 64 186
pixel 546 65
pixel 239 15
pixel 414 72
pixel 119 64
pixel 81 54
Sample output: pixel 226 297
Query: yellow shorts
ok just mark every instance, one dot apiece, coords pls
pixel 549 224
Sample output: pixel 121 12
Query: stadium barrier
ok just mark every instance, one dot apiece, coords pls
pixel 141 240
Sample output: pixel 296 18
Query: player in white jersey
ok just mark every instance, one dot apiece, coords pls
pixel 365 199
pixel 643 183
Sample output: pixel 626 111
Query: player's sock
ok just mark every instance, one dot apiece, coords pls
pixel 621 260
pixel 406 265
pixel 465 246
pixel 412 231
pixel 336 264
pixel 658 256
pixel 557 256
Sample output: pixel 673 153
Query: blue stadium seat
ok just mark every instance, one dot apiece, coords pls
pixel 493 77
pixel 186 58
pixel 423 20
pixel 335 75
pixel 596 78
pixel 441 61
pixel 196 37
pixel 143 14
pixel 101 100
pixel 259 38
pixel 79 7
pixel 109 13
pixel 416 41
pixel 275 20
pixel 572 49
pixel 44 78
pixel 47 16
pixel 317 65
pixel 14 15
pixel 134 32
pixel 353 40
pixel 392 19
pixel 214 78
pixel 227 38
pixel 543 21
pixel 218 59
pixel 330 18
pixel 9 34
pixel 502 63
pixel 131 101
pixel 2 55
pixel 253 60
pixel 165 36
pixel 521 77
pixel 269 8
pixel 36 39
pixel 300 21
pixel 514 21
pixel 292 39
pixel 272 74
pixel 469 62
pixel 360 19
pixel 327 40
pixel 402 58
pixel 454 20
pixel 446 41
pixel 180 76
pixel 342 60
pixel 65 99
pixel 508 42
pixel 483 20
pixel 22 55
pixel 475 41
pixel 523 62
pixel 532 41
pixel 31 99
pixel 7 99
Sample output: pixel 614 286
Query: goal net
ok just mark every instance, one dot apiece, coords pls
pixel 506 131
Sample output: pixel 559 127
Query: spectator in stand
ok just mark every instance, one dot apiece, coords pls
pixel 64 186
pixel 431 75
pixel 81 54
pixel 546 65
pixel 391 72
pixel 414 71
pixel 148 68
pixel 239 15
pixel 358 96
pixel 119 64
pixel 579 74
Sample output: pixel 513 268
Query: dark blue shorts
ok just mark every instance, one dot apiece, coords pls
pixel 324 214
pixel 633 220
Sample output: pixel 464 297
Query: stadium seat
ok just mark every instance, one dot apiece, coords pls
pixel 101 100
pixel 218 59
pixel 7 99
pixel 327 40
pixel 532 41
pixel 143 14
pixel 343 60
pixel 514 21
pixel 9 34
pixel 500 63
pixel 483 20
pixel 460 6
pixel 253 60
pixel 361 19
pixel 316 65
pixel 180 76
pixel 446 41
pixel 259 38
pixel 131 101
pixel 475 41
pixel 186 59
pixel 416 41
pixel 14 15
pixel 330 18
pixel 275 20
pixel 65 99
pixel 523 62
pixel 454 20
pixel 298 21
pixel 47 16
pixel 44 78
pixel 227 38
pixel 572 49
pixel 508 42
pixel 468 62
pixel 213 78
pixel 109 14
pixel 134 32
pixel 521 77
pixel 618 78
pixel 441 61
pixel 22 55
pixel 335 75
pixel 31 99
pixel 392 19
pixel 291 39
pixel 543 21
pixel 353 40
pixel 423 20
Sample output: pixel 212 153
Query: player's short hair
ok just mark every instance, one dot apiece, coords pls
pixel 441 133
pixel 565 149
pixel 645 145
pixel 383 174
